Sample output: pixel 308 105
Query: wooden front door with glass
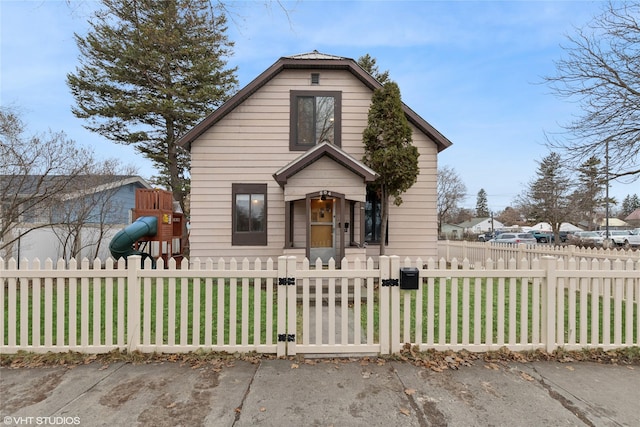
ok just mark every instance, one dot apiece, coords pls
pixel 322 223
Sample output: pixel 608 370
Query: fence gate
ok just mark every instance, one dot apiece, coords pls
pixel 339 312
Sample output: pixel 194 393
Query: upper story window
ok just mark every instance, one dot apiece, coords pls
pixel 315 118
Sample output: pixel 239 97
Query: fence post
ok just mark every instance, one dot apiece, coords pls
pixel 134 263
pixel 548 316
pixel 292 301
pixel 281 321
pixel 394 275
pixel 384 305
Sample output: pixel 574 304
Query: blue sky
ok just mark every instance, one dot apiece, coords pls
pixel 471 69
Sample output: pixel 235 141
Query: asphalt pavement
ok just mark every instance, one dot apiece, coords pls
pixel 317 392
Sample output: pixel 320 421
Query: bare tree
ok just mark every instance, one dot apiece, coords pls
pixel 48 181
pixel 83 216
pixel 35 168
pixel 510 216
pixel 451 191
pixel 600 71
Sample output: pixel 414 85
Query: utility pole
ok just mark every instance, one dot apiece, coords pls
pixel 606 240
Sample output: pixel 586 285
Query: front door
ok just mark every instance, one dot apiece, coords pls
pixel 322 222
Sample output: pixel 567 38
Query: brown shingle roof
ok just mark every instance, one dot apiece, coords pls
pixel 633 216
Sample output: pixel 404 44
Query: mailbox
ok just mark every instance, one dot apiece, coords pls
pixel 409 278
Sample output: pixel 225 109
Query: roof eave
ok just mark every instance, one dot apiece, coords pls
pixel 321 150
pixel 308 64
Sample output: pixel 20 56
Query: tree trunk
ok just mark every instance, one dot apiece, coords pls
pixel 383 220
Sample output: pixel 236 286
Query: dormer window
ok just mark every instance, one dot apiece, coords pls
pixel 315 118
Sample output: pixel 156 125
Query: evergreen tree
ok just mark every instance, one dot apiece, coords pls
pixel 547 197
pixel 389 150
pixel 588 197
pixel 369 65
pixel 482 204
pixel 630 204
pixel 150 70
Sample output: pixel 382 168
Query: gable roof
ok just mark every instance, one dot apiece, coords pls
pixel 633 216
pixel 324 149
pixel 473 222
pixel 26 185
pixel 308 61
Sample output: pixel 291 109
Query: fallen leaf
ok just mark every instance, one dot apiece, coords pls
pixel 262 409
pixel 492 366
pixel 171 405
pixel 410 391
pixel 526 376
pixel 405 411
pixel 571 368
pixel 294 366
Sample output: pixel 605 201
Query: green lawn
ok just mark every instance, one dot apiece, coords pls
pixel 481 295
pixel 437 297
pixel 70 297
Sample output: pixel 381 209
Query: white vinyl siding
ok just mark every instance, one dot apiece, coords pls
pixel 325 174
pixel 251 143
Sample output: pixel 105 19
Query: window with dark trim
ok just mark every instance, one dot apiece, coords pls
pixel 315 118
pixel 249 214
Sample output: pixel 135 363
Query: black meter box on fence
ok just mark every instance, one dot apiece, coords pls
pixel 409 278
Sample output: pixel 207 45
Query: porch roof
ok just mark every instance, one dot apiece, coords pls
pixel 314 154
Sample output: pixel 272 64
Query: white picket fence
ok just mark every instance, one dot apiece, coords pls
pixel 290 307
pixel 479 252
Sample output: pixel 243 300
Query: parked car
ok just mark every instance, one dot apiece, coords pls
pixel 587 238
pixel 564 235
pixel 542 236
pixel 625 238
pixel 485 237
pixel 515 238
pixel 613 234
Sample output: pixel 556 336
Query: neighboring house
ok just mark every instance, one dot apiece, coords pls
pixel 480 225
pixel 614 224
pixel 452 232
pixel 633 218
pixel 545 226
pixel 77 218
pixel 278 170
